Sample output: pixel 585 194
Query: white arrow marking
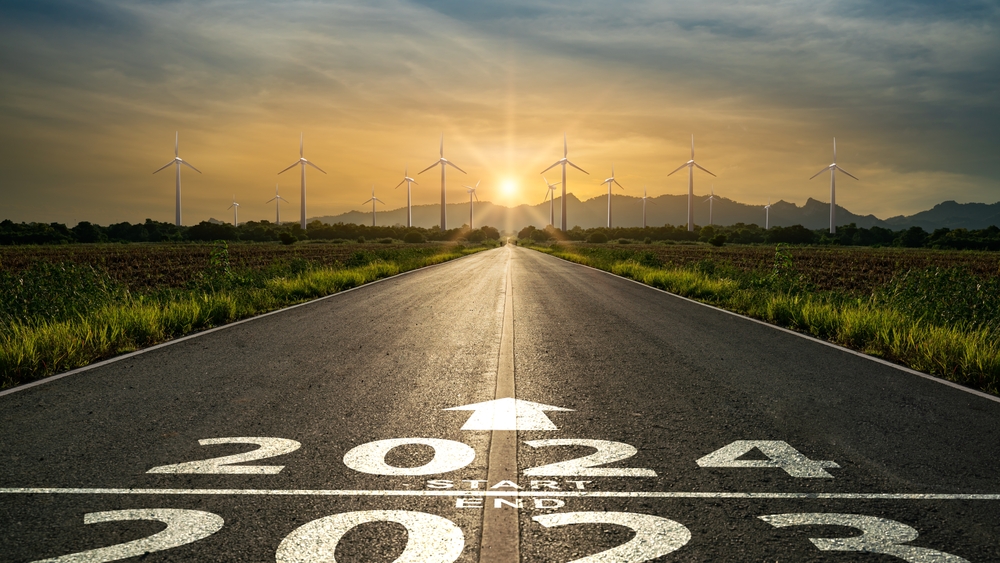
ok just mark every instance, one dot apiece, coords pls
pixel 508 414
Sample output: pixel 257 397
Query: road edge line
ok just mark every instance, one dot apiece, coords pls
pixel 808 337
pixel 128 355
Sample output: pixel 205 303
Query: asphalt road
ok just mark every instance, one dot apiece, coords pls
pixel 707 437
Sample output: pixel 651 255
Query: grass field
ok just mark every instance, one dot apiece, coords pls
pixel 934 311
pixel 63 307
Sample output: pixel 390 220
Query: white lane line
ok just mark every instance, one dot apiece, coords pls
pixel 95 365
pixel 519 494
pixel 808 337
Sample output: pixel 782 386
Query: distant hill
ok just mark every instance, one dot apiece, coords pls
pixel 672 209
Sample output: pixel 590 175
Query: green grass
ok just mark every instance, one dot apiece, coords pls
pixel 939 322
pixel 78 316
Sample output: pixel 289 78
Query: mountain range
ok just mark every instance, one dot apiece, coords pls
pixel 672 210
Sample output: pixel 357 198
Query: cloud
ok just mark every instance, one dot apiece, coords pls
pixel 91 93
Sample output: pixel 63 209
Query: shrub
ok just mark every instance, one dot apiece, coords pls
pixel 476 236
pixel 361 239
pixel 717 240
pixel 414 237
pixel 624 241
pixel 384 241
pixel 599 238
pixel 287 238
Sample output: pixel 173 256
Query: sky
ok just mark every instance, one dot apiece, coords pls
pixel 92 93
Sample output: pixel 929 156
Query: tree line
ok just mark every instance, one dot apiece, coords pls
pixel 740 233
pixel 263 231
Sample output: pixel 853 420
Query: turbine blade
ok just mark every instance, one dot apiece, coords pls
pixel 380 201
pixel 316 167
pixel 177 138
pixel 414 181
pixel 550 167
pixel 820 172
pixel 185 163
pixel 834 149
pixel 692 146
pixel 429 167
pixel 302 137
pixel 283 199
pixel 619 185
pixel 289 168
pixel 270 200
pixel 678 168
pixel 699 166
pixel 400 183
pixel 449 163
pixel 164 166
pixel 577 167
pixel 848 173
pixel 565 147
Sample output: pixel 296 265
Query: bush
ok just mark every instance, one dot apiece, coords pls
pixel 384 241
pixel 624 241
pixel 476 236
pixel 287 238
pixel 599 238
pixel 414 237
pixel 647 240
pixel 717 240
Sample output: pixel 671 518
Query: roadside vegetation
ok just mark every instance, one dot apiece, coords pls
pixel 934 311
pixel 63 307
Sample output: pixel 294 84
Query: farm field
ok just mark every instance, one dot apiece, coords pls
pixel 152 266
pixel 934 311
pixel 63 307
pixel 856 270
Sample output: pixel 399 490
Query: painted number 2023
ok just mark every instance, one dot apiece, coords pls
pixel 435 539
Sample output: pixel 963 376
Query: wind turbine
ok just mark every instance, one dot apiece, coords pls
pixel 444 162
pixel 409 209
pixel 767 215
pixel 236 212
pixel 302 162
pixel 178 161
pixel 710 199
pixel 373 200
pixel 833 186
pixel 644 198
pixel 472 193
pixel 610 181
pixel 563 162
pixel 277 199
pixel 690 165
pixel 551 195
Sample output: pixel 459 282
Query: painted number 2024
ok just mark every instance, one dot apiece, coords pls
pixel 434 539
pixel 450 455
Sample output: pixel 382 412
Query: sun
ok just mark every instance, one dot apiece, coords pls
pixel 508 187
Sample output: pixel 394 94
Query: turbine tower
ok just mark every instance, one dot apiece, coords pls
pixel 472 193
pixel 767 215
pixel 302 162
pixel 277 199
pixel 833 186
pixel 690 165
pixel 610 181
pixel 236 212
pixel 409 209
pixel 644 198
pixel 373 200
pixel 563 162
pixel 710 199
pixel 551 194
pixel 177 161
pixel 444 162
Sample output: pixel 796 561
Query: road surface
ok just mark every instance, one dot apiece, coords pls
pixel 507 406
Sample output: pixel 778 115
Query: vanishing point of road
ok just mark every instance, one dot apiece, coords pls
pixel 503 407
